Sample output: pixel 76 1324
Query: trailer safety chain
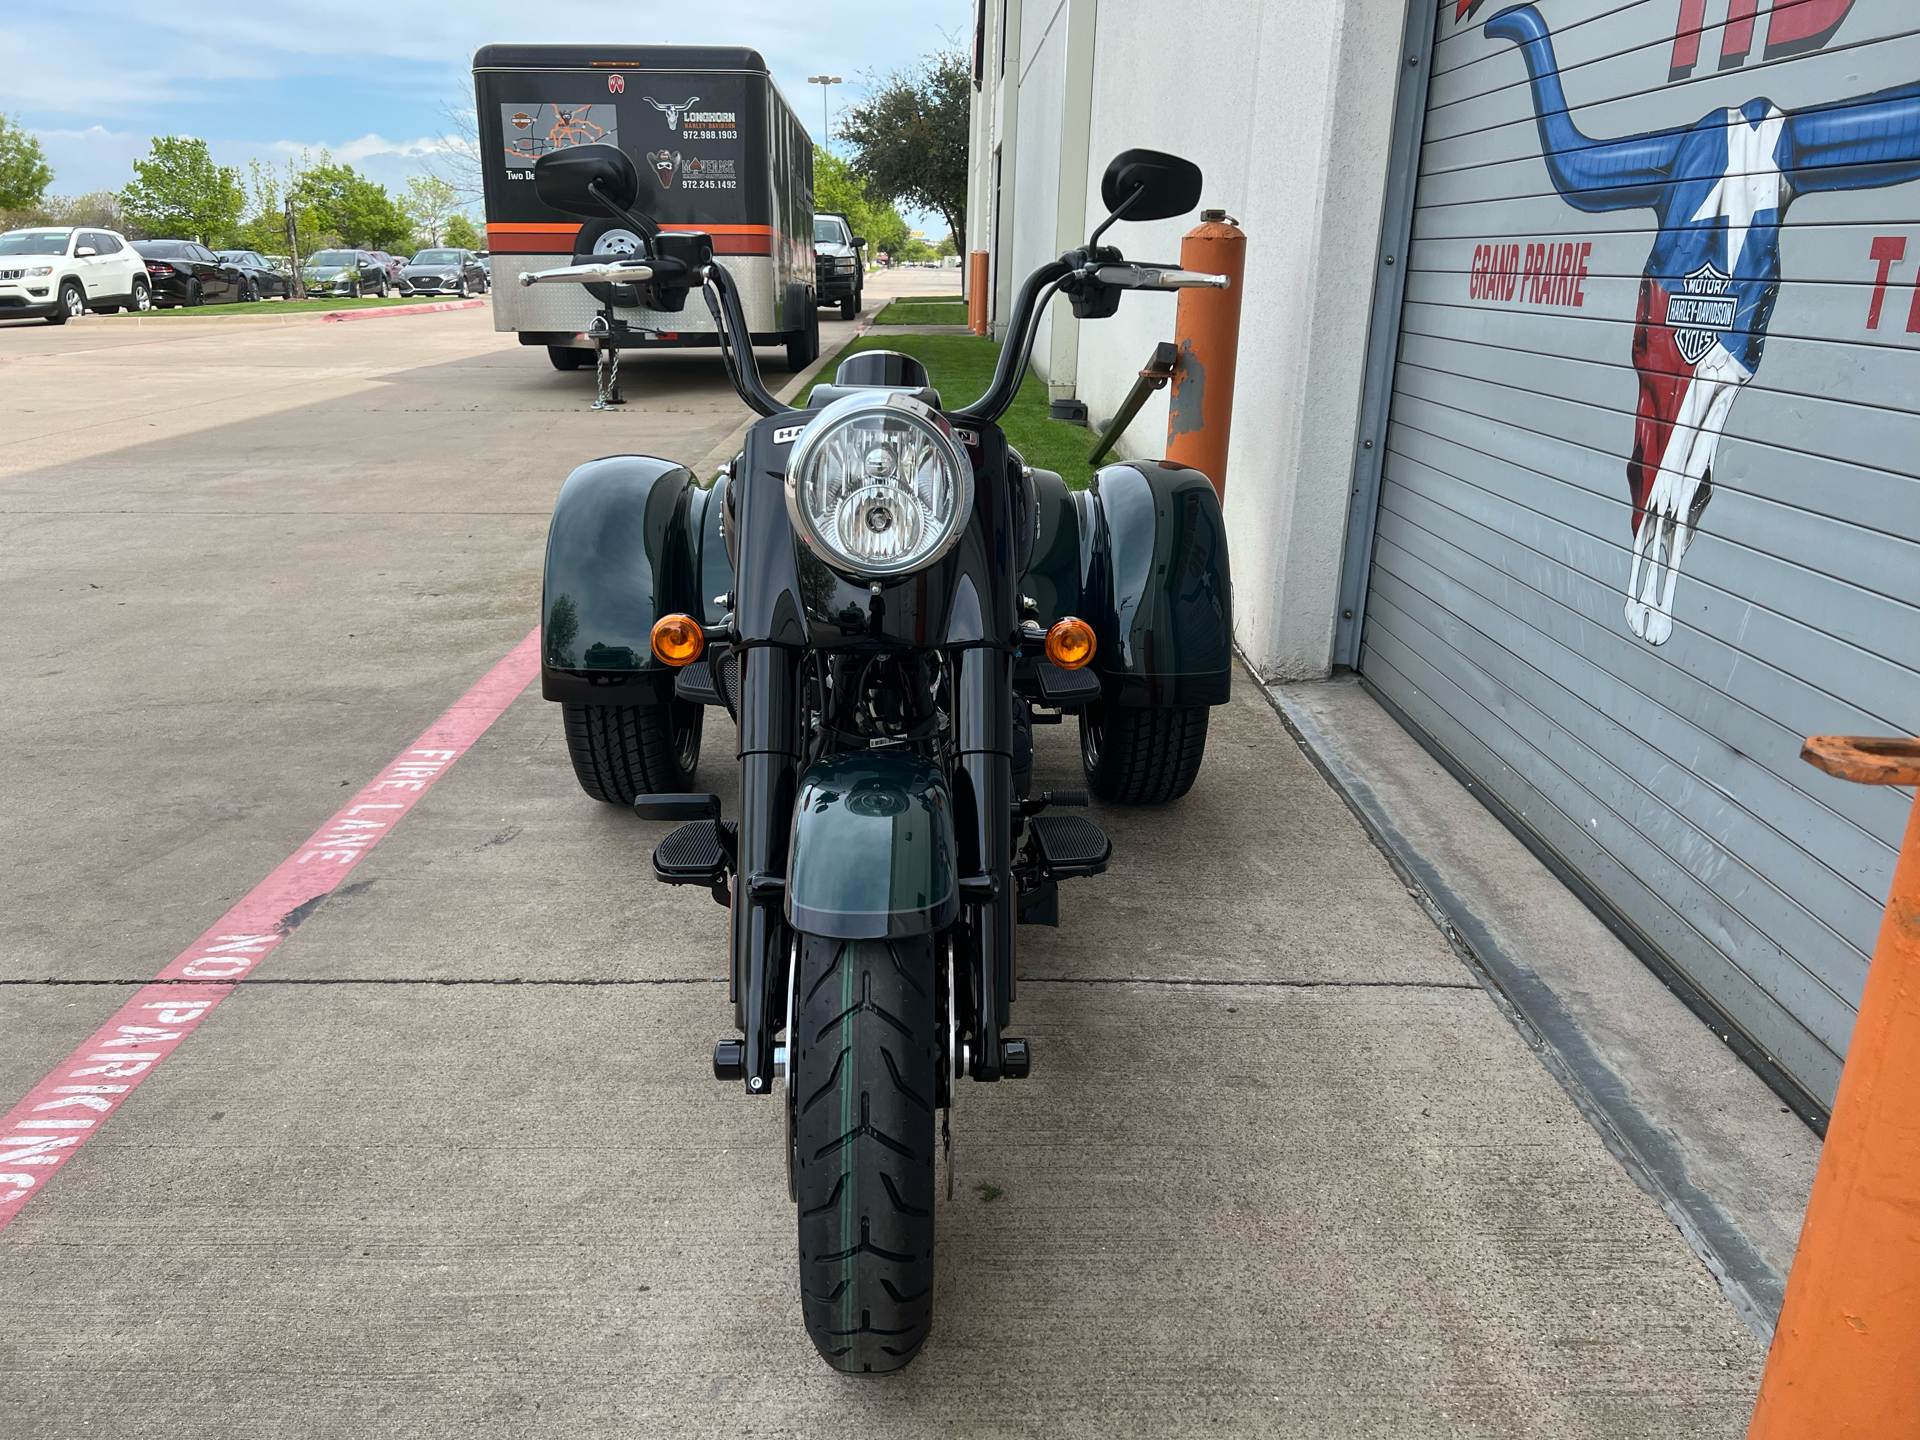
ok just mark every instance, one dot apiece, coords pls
pixel 609 376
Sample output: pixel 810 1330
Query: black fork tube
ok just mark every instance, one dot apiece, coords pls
pixel 769 765
pixel 983 730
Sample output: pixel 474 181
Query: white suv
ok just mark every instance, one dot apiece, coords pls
pixel 60 272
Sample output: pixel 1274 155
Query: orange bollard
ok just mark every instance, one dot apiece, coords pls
pixel 1846 1355
pixel 1206 330
pixel 977 292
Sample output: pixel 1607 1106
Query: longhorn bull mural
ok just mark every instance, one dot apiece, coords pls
pixel 1720 189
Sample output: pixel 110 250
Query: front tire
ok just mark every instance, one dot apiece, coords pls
pixel 850 307
pixel 865 1048
pixel 69 304
pixel 621 751
pixel 1142 756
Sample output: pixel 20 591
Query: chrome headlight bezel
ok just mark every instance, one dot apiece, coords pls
pixel 811 448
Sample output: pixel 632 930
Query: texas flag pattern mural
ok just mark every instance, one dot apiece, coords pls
pixel 1719 191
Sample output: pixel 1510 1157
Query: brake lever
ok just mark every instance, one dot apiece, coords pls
pixel 614 272
pixel 1158 277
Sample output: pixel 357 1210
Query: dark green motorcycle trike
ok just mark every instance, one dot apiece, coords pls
pixel 884 599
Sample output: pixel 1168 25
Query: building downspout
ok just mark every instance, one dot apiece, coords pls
pixel 1070 218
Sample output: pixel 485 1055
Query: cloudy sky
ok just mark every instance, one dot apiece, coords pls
pixel 369 81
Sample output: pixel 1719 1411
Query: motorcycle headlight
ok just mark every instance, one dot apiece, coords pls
pixel 877 486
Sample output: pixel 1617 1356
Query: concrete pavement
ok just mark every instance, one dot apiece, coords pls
pixel 1283 1168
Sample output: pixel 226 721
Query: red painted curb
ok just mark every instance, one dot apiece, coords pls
pixel 372 311
pixel 69 1106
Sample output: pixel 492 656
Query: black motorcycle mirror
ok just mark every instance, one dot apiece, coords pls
pixel 590 181
pixel 1147 185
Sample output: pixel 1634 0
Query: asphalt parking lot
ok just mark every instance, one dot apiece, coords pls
pixel 450 1161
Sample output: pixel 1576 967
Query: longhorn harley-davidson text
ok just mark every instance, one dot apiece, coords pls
pixel 884 599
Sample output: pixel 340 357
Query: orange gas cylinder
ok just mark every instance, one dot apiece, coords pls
pixel 1845 1363
pixel 977 292
pixel 1206 331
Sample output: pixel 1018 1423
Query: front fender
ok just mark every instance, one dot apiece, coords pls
pixel 872 854
pixel 620 554
pixel 1157 588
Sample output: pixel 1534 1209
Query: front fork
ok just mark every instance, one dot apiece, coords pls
pixel 769 756
pixel 983 817
pixel 769 772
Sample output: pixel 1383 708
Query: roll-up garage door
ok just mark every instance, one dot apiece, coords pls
pixel 1648 511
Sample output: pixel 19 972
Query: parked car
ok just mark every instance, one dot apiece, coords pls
pixel 260 278
pixel 185 272
pixel 484 258
pixel 60 272
pixel 345 272
pixel 392 264
pixel 838 274
pixel 444 272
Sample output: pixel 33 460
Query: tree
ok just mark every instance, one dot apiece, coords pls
pixel 178 192
pixel 24 172
pixel 342 202
pixel 463 234
pixel 265 229
pixel 910 136
pixel 430 203
pixel 455 157
pixel 836 187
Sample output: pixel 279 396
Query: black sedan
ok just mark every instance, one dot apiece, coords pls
pixel 260 279
pixel 185 272
pixel 444 272
pixel 345 272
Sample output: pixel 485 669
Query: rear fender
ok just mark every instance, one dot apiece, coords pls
pixel 1156 586
pixel 872 852
pixel 620 554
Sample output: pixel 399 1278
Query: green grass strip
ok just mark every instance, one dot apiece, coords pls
pixel 942 311
pixel 961 368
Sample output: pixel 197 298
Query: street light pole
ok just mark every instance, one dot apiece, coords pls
pixel 826 132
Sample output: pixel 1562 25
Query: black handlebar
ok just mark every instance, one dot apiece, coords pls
pixel 1012 368
pixel 736 344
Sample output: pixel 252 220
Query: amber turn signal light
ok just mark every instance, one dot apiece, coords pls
pixel 1070 643
pixel 677 639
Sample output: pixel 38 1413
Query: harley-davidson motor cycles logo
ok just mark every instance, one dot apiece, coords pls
pixel 1702 312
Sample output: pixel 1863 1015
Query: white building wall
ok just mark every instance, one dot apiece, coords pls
pixel 1287 106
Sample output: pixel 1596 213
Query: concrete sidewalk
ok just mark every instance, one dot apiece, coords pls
pixel 454 1162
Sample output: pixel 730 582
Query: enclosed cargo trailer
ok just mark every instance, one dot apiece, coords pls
pixel 723 152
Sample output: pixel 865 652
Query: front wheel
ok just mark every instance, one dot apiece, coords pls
pixel 621 751
pixel 71 304
pixel 850 307
pixel 864 1048
pixel 1142 756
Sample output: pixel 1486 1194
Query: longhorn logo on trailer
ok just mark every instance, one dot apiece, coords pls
pixel 672 112
pixel 1719 190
